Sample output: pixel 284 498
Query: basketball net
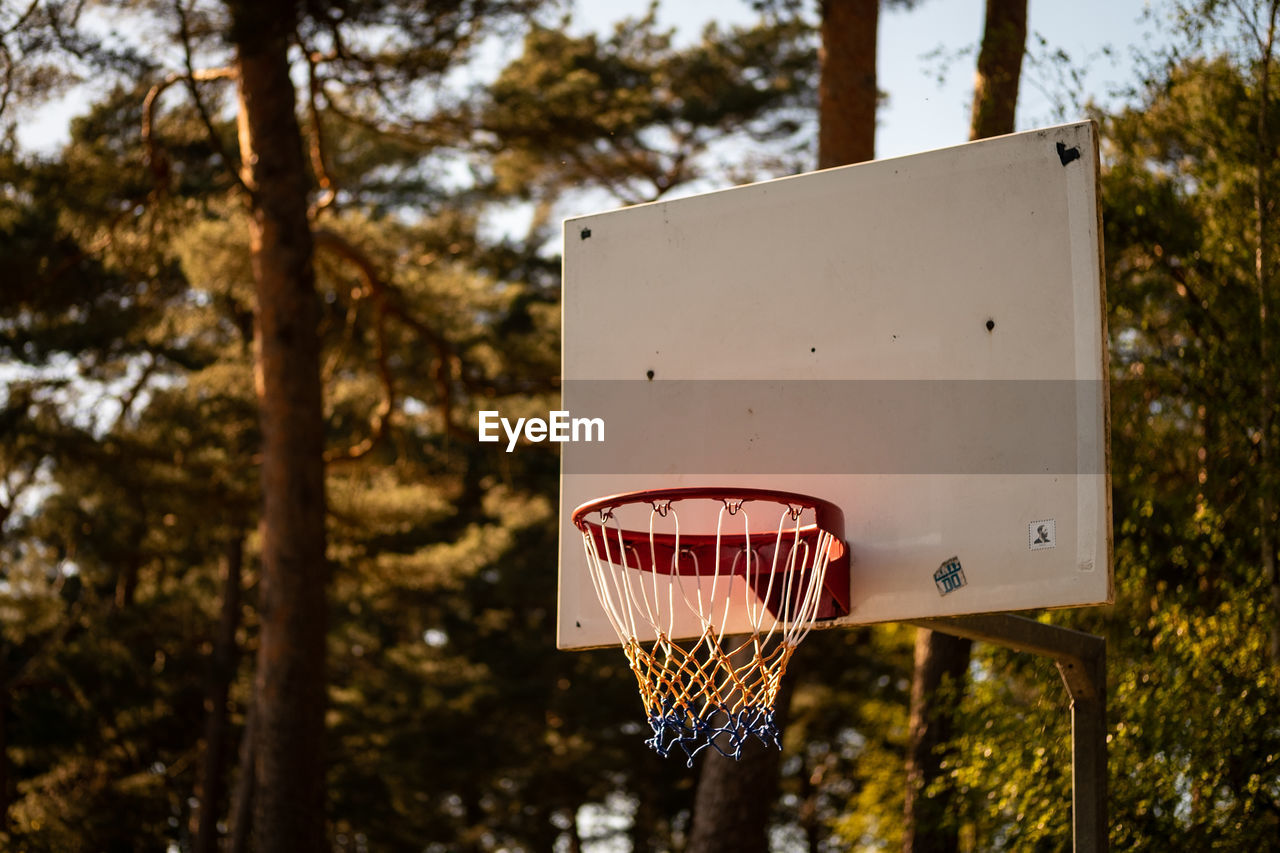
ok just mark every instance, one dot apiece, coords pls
pixel 719 688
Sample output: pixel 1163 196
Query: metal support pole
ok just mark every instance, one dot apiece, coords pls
pixel 1082 661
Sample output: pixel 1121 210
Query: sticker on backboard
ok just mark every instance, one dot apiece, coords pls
pixel 950 576
pixel 1042 534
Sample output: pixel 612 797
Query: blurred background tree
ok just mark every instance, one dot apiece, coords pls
pixel 134 438
pixel 1188 186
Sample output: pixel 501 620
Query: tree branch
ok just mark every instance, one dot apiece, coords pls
pixel 190 79
pixel 315 142
pixel 69 261
pixel 131 395
pixel 9 68
pixel 22 19
pixel 420 134
pixel 156 159
pixel 1250 22
pixel 1180 277
pixel 386 300
pixel 69 621
pixel 13 489
pixel 380 423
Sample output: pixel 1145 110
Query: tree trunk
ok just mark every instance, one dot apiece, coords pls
pixel 222 668
pixel 127 582
pixel 240 819
pixel 734 799
pixel 574 837
pixel 930 824
pixel 810 821
pixel 995 88
pixel 290 679
pixel 4 745
pixel 1262 268
pixel 648 832
pixel 847 93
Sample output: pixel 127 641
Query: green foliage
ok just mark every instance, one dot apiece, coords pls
pixel 1193 685
pixel 634 115
pixel 1011 762
pixel 1194 754
pixel 850 729
pixel 131 439
pixel 1193 745
pixel 1208 774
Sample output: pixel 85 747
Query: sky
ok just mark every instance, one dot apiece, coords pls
pixel 922 114
pixel 938 39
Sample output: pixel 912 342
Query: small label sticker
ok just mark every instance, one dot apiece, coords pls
pixel 950 576
pixel 1042 534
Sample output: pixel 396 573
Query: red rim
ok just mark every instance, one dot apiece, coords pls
pixel 656 552
pixel 827 516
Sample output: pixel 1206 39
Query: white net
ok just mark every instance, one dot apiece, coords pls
pixel 746 598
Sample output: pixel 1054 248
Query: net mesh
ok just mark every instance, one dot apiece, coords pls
pixel 717 690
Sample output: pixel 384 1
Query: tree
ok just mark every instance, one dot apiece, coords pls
pixel 439 647
pixel 942 660
pixel 1183 247
pixel 1261 25
pixel 83 629
pixel 734 799
pixel 735 796
pixel 635 116
pixel 1190 628
pixel 847 93
pixel 289 701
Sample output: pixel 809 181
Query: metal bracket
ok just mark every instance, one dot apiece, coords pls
pixel 1082 661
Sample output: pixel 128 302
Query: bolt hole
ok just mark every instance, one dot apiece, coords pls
pixel 649 374
pixel 585 233
pixel 991 324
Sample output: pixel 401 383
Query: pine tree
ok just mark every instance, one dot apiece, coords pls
pixel 449 714
pixel 942 660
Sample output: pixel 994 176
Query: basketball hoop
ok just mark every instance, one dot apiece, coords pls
pixel 746 596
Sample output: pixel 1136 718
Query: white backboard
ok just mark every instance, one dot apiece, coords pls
pixel 920 341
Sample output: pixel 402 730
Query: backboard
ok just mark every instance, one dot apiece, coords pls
pixel 920 341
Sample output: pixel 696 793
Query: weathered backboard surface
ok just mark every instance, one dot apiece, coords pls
pixel 919 340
